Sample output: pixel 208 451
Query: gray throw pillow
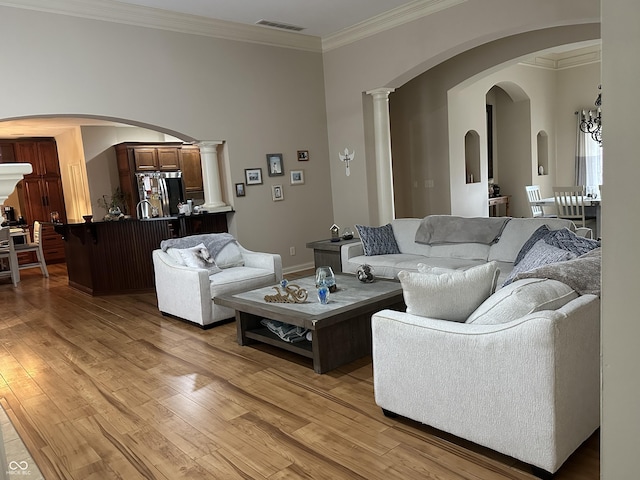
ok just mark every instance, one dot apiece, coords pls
pixel 539 234
pixel 540 254
pixel 378 240
pixel 569 241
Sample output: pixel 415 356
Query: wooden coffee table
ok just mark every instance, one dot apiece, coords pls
pixel 341 329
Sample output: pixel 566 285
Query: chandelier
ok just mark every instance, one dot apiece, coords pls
pixel 592 124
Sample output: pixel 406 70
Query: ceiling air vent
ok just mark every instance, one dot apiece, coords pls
pixel 280 25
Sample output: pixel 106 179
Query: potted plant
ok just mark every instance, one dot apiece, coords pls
pixel 114 204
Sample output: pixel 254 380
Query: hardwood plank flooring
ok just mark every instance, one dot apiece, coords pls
pixel 106 387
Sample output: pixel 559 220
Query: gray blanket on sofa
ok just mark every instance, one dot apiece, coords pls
pixel 582 273
pixel 214 242
pixel 444 229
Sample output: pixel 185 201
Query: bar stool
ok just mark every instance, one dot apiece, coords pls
pixel 8 256
pixel 35 246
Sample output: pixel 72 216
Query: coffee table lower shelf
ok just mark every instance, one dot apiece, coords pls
pixel 264 335
pixel 341 330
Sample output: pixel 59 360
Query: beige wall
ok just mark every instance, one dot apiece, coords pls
pixel 258 99
pixel 393 57
pixel 621 230
pixel 577 90
pixel 431 114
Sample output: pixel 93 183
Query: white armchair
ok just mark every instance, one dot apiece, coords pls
pixel 528 388
pixel 188 292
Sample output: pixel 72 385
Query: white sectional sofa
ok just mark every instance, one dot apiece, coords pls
pixel 520 372
pixel 186 291
pixel 459 255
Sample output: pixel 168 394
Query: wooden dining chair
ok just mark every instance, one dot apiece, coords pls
pixel 8 257
pixel 533 194
pixel 570 203
pixel 34 246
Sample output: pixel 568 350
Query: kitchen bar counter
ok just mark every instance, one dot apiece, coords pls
pixel 106 258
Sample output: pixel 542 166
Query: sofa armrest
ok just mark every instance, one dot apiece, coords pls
pixel 348 251
pixel 182 291
pixel 266 261
pixel 539 372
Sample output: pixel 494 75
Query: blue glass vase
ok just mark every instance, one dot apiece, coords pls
pixel 323 294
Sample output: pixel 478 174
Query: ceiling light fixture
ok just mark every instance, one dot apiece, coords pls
pixel 593 124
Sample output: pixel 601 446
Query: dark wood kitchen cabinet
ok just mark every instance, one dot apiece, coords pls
pixel 135 157
pixel 42 191
pixel 153 159
pixel 191 167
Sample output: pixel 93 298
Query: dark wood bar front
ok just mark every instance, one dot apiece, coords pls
pixel 106 258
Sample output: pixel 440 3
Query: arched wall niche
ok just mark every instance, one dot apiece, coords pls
pixel 472 156
pixel 542 141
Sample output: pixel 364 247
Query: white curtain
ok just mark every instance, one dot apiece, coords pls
pixel 588 159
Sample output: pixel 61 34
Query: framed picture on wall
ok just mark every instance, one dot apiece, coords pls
pixel 303 155
pixel 276 193
pixel 253 176
pixel 274 162
pixel 297 177
pixel 240 190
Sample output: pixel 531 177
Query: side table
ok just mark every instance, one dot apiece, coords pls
pixel 327 253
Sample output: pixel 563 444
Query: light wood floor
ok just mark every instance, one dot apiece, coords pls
pixel 106 387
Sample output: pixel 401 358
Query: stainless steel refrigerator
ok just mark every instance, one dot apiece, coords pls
pixel 163 191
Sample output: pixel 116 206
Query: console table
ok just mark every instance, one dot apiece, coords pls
pixel 494 205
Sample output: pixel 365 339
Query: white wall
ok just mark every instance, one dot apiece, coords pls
pixel 620 260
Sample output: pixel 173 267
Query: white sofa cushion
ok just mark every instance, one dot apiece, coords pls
pixel 230 256
pixel 516 233
pixel 450 295
pixel 521 298
pixel 404 229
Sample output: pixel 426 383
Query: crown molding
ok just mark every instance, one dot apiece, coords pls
pixel 569 59
pixel 117 12
pixel 110 11
pixel 385 21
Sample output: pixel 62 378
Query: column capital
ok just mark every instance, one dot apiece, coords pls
pixel 380 92
pixel 210 145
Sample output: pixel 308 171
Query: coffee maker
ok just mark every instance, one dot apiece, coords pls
pixel 10 215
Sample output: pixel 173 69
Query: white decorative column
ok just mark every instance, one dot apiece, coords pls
pixel 382 137
pixel 211 176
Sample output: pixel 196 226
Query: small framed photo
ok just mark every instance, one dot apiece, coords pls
pixel 253 176
pixel 277 193
pixel 240 190
pixel 297 177
pixel 303 155
pixel 274 161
